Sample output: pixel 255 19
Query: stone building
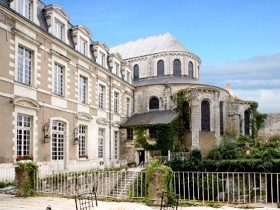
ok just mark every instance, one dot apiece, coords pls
pixel 64 96
pixel 162 67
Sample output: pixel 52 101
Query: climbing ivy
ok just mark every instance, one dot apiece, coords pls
pixel 164 137
pixel 167 177
pixel 30 170
pixel 181 126
pixel 257 119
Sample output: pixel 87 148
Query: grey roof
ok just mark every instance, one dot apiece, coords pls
pixel 150 118
pixel 166 80
pixel 150 45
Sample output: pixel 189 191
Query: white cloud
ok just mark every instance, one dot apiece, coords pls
pixel 256 79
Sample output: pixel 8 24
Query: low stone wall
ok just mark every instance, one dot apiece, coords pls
pixel 271 126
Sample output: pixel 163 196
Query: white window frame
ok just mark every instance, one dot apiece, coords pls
pixel 24 65
pixel 101 140
pixel 58 29
pixel 58 79
pixel 101 96
pixel 83 46
pixel 82 133
pixel 83 84
pixel 102 59
pixel 24 134
pixel 127 106
pixel 25 8
pixel 116 102
pixel 116 144
pixel 58 130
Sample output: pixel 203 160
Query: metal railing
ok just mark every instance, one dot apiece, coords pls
pixel 231 187
pixel 7 173
pixel 109 183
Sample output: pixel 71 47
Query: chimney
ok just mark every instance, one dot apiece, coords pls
pixel 228 86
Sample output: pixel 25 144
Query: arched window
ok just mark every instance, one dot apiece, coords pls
pixel 247 123
pixel 221 118
pixel 190 69
pixel 135 72
pixel 205 115
pixel 154 103
pixel 160 68
pixel 186 115
pixel 176 68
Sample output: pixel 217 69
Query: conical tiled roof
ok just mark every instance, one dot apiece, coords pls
pixel 150 45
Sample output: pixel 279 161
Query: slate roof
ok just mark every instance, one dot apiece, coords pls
pixel 150 118
pixel 149 45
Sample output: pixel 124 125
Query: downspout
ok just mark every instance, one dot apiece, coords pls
pixel 110 115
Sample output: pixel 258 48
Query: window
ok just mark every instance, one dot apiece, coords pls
pixel 190 69
pixel 205 115
pixel 102 59
pixel 83 46
pixel 101 132
pixel 127 106
pixel 128 76
pixel 58 30
pixel 135 72
pixel 186 115
pixel 25 8
pixel 160 68
pixel 116 102
pixel 101 96
pixel 152 133
pixel 116 144
pixel 23 135
pixel 154 103
pixel 82 139
pixel 247 123
pixel 129 134
pixel 117 69
pixel 83 89
pixel 24 65
pixel 58 80
pixel 176 68
pixel 221 106
pixel 58 135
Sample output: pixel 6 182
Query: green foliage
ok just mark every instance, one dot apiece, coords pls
pixel 6 184
pixel 257 119
pixel 227 150
pixel 164 137
pixel 30 169
pixel 167 177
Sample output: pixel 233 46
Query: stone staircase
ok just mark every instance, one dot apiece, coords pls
pixel 125 182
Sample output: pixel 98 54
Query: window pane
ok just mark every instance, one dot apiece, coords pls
pixel 23 135
pixel 160 68
pixel 58 136
pixel 205 116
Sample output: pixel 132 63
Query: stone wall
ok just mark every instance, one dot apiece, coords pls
pixel 271 126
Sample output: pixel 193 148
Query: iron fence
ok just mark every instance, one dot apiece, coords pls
pixel 231 187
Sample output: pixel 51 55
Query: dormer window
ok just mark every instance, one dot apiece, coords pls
pixel 102 59
pixel 57 21
pixel 117 69
pixel 83 46
pixel 58 31
pixel 25 8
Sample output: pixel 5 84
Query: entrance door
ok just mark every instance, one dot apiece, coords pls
pixel 141 156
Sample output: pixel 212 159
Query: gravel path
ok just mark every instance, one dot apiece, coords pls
pixel 10 202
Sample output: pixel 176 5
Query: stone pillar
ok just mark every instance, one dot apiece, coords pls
pixel 23 183
pixel 156 186
pixel 195 126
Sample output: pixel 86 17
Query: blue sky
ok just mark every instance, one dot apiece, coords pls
pixel 237 40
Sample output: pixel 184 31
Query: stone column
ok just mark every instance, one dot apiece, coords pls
pixel 195 119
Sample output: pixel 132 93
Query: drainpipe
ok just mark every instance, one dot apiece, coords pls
pixel 110 115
